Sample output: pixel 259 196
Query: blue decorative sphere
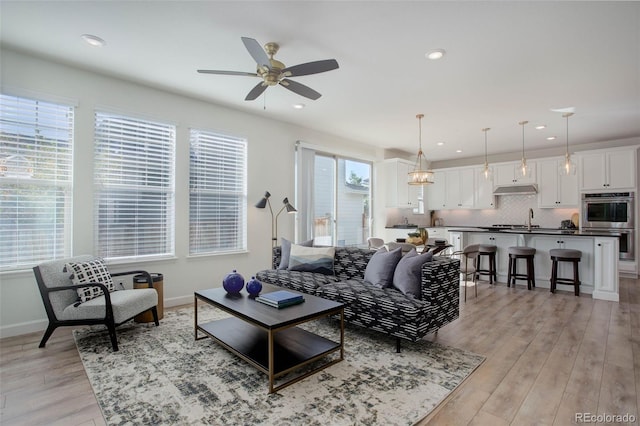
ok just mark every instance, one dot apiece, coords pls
pixel 233 282
pixel 254 287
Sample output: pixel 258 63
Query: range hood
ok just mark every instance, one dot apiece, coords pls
pixel 516 190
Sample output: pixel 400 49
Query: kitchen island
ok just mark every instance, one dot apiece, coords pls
pixel 598 266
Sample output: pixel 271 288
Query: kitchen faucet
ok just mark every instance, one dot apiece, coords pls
pixel 406 220
pixel 529 217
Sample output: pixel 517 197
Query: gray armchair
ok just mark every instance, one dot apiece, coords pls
pixel 61 302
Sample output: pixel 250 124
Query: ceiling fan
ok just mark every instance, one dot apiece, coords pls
pixel 274 72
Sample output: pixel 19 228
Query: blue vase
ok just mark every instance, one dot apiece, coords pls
pixel 233 282
pixel 254 287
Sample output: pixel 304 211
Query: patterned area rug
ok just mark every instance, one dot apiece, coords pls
pixel 161 375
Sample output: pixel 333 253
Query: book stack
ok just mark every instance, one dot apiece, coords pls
pixel 280 299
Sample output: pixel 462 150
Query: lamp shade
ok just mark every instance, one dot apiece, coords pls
pixel 288 206
pixel 263 202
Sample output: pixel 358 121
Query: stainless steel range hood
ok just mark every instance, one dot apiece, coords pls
pixel 516 190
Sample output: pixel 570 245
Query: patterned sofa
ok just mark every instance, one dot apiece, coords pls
pixel 385 310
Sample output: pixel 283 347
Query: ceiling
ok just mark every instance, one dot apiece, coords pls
pixel 505 62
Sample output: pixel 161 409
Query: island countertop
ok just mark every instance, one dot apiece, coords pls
pixel 598 264
pixel 536 231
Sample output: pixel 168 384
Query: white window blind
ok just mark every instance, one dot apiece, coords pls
pixel 134 187
pixel 217 195
pixel 36 140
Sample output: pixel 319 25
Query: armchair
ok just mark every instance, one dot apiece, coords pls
pixel 61 302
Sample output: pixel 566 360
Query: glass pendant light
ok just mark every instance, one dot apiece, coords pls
pixel 420 175
pixel 486 172
pixel 524 169
pixel 568 168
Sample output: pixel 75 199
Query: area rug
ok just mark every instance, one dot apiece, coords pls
pixel 162 376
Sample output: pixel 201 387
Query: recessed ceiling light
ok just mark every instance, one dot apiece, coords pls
pixel 93 40
pixel 298 106
pixel 551 138
pixel 440 143
pixel 435 54
pixel 540 127
pixel 458 151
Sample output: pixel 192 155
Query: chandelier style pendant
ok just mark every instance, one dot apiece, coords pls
pixel 420 175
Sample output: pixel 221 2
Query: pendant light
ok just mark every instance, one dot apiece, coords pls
pixel 420 175
pixel 524 169
pixel 568 168
pixel 486 172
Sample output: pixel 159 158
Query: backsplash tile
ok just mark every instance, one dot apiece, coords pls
pixel 511 209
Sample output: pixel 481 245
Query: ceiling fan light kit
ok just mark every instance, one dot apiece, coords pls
pixel 420 175
pixel 273 72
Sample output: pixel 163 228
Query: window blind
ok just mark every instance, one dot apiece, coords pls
pixel 217 193
pixel 36 141
pixel 134 187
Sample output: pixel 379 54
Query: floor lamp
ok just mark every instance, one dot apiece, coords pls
pixel 264 202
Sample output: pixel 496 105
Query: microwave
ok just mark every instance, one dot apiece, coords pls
pixel 612 210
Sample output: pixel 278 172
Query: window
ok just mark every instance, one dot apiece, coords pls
pixel 217 193
pixel 134 187
pixel 36 140
pixel 337 193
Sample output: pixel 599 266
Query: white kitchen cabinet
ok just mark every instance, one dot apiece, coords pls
pixel 456 239
pixel 606 269
pixel 483 197
pixel 435 192
pixel 502 242
pixel 399 194
pixel 509 174
pixel 607 170
pixel 459 189
pixel 542 260
pixel 554 188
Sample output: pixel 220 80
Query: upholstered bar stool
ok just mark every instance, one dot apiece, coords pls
pixel 526 253
pixel 565 255
pixel 489 251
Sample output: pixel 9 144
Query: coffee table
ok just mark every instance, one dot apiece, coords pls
pixel 268 338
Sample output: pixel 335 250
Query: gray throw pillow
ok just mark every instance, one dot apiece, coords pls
pixel 407 275
pixel 379 270
pixel 285 251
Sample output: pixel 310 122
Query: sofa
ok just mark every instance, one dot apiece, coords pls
pixel 386 310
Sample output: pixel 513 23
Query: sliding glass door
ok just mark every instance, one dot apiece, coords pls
pixel 341 200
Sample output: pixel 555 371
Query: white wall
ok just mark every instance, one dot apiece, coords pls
pixel 270 167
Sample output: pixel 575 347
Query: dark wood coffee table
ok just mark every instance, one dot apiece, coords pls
pixel 267 337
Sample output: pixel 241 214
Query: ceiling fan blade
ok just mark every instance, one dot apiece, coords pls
pixel 248 74
pixel 257 52
pixel 256 91
pixel 311 68
pixel 300 89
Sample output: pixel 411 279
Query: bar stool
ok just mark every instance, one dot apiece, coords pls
pixel 526 253
pixel 490 251
pixel 565 255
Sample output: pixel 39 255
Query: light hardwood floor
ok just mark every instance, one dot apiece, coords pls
pixel 548 357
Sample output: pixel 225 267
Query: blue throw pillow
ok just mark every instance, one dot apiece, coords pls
pixel 285 250
pixel 312 259
pixel 379 270
pixel 407 275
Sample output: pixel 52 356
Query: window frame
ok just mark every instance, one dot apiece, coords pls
pixel 204 186
pixel 30 177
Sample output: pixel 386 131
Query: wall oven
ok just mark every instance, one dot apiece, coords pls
pixel 614 213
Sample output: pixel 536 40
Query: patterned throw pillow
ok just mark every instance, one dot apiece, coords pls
pixel 312 259
pixel 285 251
pixel 94 271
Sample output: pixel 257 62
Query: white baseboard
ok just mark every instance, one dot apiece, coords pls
pixel 23 328
pixel 41 325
